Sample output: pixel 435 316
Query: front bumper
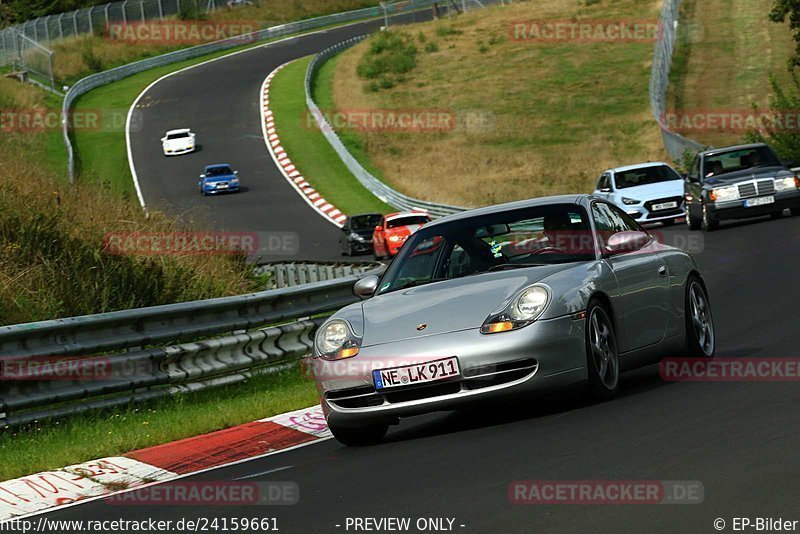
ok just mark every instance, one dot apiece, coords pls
pixel 544 355
pixel 214 190
pixel 361 246
pixel 178 152
pixel 735 209
pixel 644 215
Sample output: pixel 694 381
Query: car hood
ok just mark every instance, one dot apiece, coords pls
pixel 448 306
pixel 748 174
pixel 672 188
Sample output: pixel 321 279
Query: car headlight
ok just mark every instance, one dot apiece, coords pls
pixel 785 184
pixel 524 309
pixel 356 236
pixel 724 193
pixel 630 201
pixel 335 341
pixel 235 181
pixel 395 238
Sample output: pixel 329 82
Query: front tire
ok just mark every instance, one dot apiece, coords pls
pixel 700 335
pixel 602 356
pixel 359 436
pixel 691 222
pixel 710 223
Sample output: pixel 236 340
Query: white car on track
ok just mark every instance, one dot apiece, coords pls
pixel 648 192
pixel 177 142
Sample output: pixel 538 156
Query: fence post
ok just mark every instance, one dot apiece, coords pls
pixel 60 26
pixel 108 22
pixel 75 22
pixel 124 12
pixel 160 10
pixel 91 20
pixel 47 27
pixel 52 70
pixel 141 8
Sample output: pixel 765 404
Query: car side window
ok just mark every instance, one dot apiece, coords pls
pixel 604 182
pixel 610 220
pixel 694 170
pixel 458 263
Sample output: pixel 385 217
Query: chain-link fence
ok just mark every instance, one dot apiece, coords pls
pixel 35 60
pixel 95 19
pixel 675 144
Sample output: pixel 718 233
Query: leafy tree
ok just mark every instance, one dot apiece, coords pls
pixel 783 9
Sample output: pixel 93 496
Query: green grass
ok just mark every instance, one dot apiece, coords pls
pixel 114 432
pixel 322 91
pixel 308 148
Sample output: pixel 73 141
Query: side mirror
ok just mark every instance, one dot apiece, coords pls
pixel 623 242
pixel 366 287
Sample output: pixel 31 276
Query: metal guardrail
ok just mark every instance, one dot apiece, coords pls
pixel 112 75
pixel 177 347
pixel 675 144
pixel 290 274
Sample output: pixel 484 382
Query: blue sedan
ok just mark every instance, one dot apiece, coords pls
pixel 219 178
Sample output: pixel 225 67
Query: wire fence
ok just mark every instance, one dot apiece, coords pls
pixel 95 19
pixel 675 144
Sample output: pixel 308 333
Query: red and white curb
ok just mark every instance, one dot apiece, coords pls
pixel 98 479
pixel 285 165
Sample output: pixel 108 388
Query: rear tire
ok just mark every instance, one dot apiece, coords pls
pixel 361 436
pixel 602 356
pixel 700 335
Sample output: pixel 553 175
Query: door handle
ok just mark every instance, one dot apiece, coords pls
pixel 662 270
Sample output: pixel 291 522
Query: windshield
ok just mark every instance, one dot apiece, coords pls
pixel 219 171
pixel 365 222
pixel 182 135
pixel 645 176
pixel 738 160
pixel 408 220
pixel 498 241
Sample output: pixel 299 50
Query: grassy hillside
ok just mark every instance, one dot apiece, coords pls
pixel 77 57
pixel 725 62
pixel 532 118
pixel 52 259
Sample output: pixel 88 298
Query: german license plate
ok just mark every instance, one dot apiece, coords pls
pixel 419 373
pixel 222 186
pixel 665 206
pixel 759 201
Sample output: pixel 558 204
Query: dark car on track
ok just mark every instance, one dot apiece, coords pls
pixel 219 178
pixel 739 182
pixel 356 237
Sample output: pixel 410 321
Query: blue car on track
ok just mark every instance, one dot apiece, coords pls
pixel 220 178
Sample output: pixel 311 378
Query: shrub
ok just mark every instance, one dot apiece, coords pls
pixel 431 47
pixel 389 56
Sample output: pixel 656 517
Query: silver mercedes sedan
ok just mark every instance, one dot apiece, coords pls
pixel 517 298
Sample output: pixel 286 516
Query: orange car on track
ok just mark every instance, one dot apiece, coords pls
pixel 393 231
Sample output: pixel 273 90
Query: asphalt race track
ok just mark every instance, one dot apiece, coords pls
pixel 739 439
pixel 219 101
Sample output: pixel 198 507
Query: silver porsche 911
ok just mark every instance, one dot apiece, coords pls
pixel 521 297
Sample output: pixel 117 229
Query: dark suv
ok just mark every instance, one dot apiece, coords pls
pixel 356 236
pixel 739 182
